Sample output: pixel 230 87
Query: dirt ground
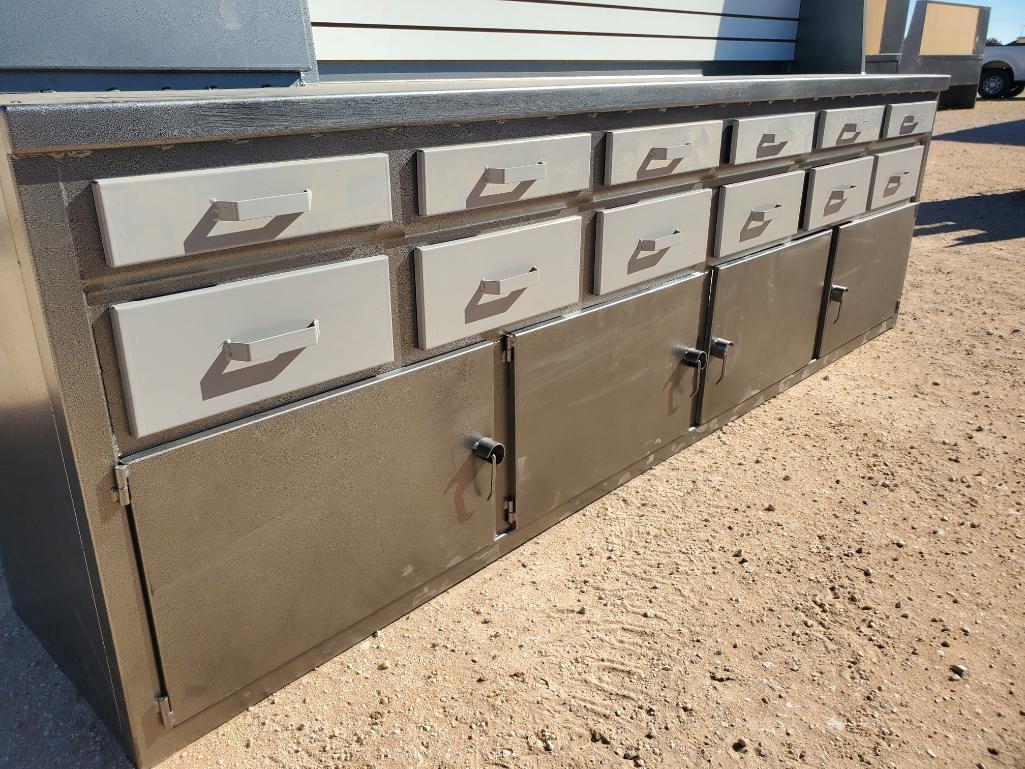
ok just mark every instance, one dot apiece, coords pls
pixel 794 590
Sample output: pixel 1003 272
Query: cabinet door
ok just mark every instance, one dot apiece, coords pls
pixel 765 314
pixel 260 540
pixel 867 278
pixel 597 391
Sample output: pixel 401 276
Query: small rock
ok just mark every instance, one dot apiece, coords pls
pixel 582 610
pixel 738 553
pixel 383 664
pixel 740 745
pixel 959 670
pixel 770 508
pixel 899 542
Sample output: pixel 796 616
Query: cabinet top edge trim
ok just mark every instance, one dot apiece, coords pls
pixel 42 123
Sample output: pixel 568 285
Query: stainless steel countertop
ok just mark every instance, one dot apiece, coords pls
pixel 50 122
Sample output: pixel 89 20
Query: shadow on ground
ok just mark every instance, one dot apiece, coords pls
pixel 980 218
pixel 38 704
pixel 1011 133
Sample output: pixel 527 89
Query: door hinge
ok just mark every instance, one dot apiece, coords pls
pixel 510 510
pixel 510 348
pixel 166 714
pixel 124 496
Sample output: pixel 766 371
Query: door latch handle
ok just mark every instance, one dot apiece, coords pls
pixel 696 359
pixel 676 152
pixel 837 294
pixel 662 242
pixel 503 286
pixel 493 452
pixel 534 172
pixel 720 348
pixel 263 208
pixel 272 346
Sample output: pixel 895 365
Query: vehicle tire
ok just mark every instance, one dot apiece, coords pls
pixel 995 84
pixel 1016 89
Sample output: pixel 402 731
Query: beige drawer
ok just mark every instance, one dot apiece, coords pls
pixel 147 218
pixel 772 136
pixel 757 212
pixel 470 176
pixel 199 353
pixel 853 125
pixel 650 239
pixel 909 119
pixel 470 286
pixel 632 154
pixel 837 192
pixel 896 176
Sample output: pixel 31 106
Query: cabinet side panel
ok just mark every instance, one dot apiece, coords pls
pixel 41 545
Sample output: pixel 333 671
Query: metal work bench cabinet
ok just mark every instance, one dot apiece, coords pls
pixel 281 364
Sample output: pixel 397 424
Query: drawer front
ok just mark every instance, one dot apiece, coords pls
pixel 757 212
pixel 199 353
pixel 633 347
pixel 147 218
pixel 838 192
pixel 896 176
pixel 632 154
pixel 869 262
pixel 268 537
pixel 773 136
pixel 470 286
pixel 909 119
pixel 843 127
pixel 650 239
pixel 470 176
pixel 765 316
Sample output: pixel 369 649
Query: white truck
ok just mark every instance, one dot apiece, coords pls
pixel 1003 70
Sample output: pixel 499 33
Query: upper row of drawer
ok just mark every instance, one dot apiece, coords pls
pixel 161 216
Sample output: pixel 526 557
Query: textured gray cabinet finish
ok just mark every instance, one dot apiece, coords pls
pixel 632 154
pixel 159 216
pixel 909 119
pixel 466 176
pixel 758 212
pixel 598 391
pixel 895 178
pixel 849 125
pixel 650 239
pixel 869 262
pixel 837 192
pixel 469 286
pixel 198 353
pixel 767 306
pixel 261 540
pixel 771 136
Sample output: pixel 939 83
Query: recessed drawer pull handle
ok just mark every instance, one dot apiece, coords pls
pixel 854 129
pixel 766 213
pixel 503 286
pixel 263 208
pixel 273 346
pixel 516 174
pixel 898 177
pixel 908 124
pixel 779 137
pixel 662 242
pixel 677 152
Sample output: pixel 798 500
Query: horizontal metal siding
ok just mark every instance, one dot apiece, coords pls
pixel 542 30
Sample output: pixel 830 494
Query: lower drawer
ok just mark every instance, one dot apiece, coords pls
pixel 837 192
pixel 650 239
pixel 758 212
pixel 199 353
pixel 470 286
pixel 896 176
pixel 263 539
